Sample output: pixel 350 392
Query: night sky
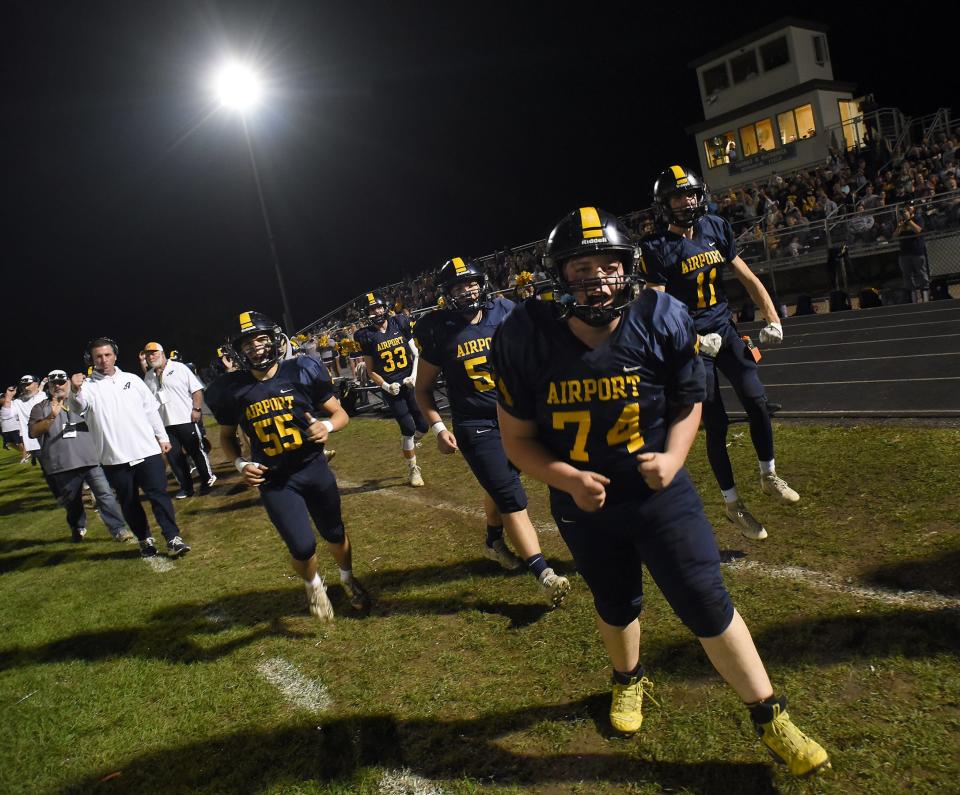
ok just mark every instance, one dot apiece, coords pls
pixel 393 137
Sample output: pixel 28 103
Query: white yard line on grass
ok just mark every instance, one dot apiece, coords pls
pixel 428 503
pixel 159 565
pixel 403 782
pixel 814 579
pixel 299 690
pixel 828 582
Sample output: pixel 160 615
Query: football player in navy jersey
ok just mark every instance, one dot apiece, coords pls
pixel 391 362
pixel 274 400
pixel 455 340
pixel 687 259
pixel 600 399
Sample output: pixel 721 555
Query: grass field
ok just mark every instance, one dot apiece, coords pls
pixel 209 674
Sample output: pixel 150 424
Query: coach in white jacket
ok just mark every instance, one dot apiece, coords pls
pixel 129 435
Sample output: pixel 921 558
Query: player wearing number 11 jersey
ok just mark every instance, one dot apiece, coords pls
pixel 274 400
pixel 600 399
pixel 687 259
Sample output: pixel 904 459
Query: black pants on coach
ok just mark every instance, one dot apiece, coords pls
pixel 185 440
pixel 150 477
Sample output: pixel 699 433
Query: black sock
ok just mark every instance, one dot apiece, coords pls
pixel 494 534
pixel 537 564
pixel 762 711
pixel 624 678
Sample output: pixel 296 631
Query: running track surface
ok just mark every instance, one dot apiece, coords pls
pixel 892 361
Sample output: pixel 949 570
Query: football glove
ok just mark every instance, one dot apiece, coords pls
pixel 710 344
pixel 390 389
pixel 409 382
pixel 771 334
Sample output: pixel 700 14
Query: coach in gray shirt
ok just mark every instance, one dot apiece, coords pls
pixel 70 459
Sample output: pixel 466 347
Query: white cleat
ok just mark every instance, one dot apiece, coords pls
pixel 416 479
pixel 500 553
pixel 319 603
pixel 555 587
pixel 750 528
pixel 774 486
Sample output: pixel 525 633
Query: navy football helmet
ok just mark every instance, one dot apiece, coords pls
pixel 251 324
pixel 375 303
pixel 679 181
pixel 460 271
pixel 585 231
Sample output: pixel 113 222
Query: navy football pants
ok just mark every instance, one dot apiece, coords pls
pixel 736 363
pixel 670 535
pixel 480 444
pixel 309 493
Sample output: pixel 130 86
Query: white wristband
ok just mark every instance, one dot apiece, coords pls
pixel 239 463
pixel 437 427
pixel 328 425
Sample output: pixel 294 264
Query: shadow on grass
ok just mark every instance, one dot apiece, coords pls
pixel 937 573
pixel 372 484
pixel 338 752
pixel 72 554
pixel 826 641
pixel 169 634
pixel 16 544
pixel 41 500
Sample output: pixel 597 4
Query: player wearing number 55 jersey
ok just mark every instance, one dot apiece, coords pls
pixel 456 341
pixel 599 398
pixel 687 260
pixel 391 361
pixel 274 400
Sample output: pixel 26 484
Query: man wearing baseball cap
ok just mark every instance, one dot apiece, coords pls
pixel 179 394
pixel 70 459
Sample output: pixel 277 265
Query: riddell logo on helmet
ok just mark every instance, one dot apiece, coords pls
pixel 589 241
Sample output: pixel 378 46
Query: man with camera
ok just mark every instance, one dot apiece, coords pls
pixel 129 437
pixel 913 253
pixel 70 459
pixel 17 404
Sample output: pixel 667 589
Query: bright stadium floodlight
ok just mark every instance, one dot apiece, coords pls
pixel 237 87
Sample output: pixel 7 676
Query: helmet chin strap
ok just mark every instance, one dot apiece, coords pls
pixel 593 315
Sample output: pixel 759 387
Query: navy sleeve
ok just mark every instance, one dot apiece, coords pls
pixel 403 323
pixel 363 340
pixel 686 383
pixel 315 376
pixel 651 263
pixel 513 362
pixel 426 339
pixel 729 241
pixel 219 399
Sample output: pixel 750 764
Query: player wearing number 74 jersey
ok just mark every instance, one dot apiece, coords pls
pixel 274 400
pixel 600 399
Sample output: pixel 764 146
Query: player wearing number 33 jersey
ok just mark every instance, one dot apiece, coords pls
pixel 391 361
pixel 456 341
pixel 287 408
pixel 600 398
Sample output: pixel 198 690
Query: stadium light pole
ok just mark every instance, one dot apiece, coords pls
pixel 239 89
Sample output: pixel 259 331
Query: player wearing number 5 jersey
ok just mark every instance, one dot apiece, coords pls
pixel 274 400
pixel 456 341
pixel 687 259
pixel 391 360
pixel 599 398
